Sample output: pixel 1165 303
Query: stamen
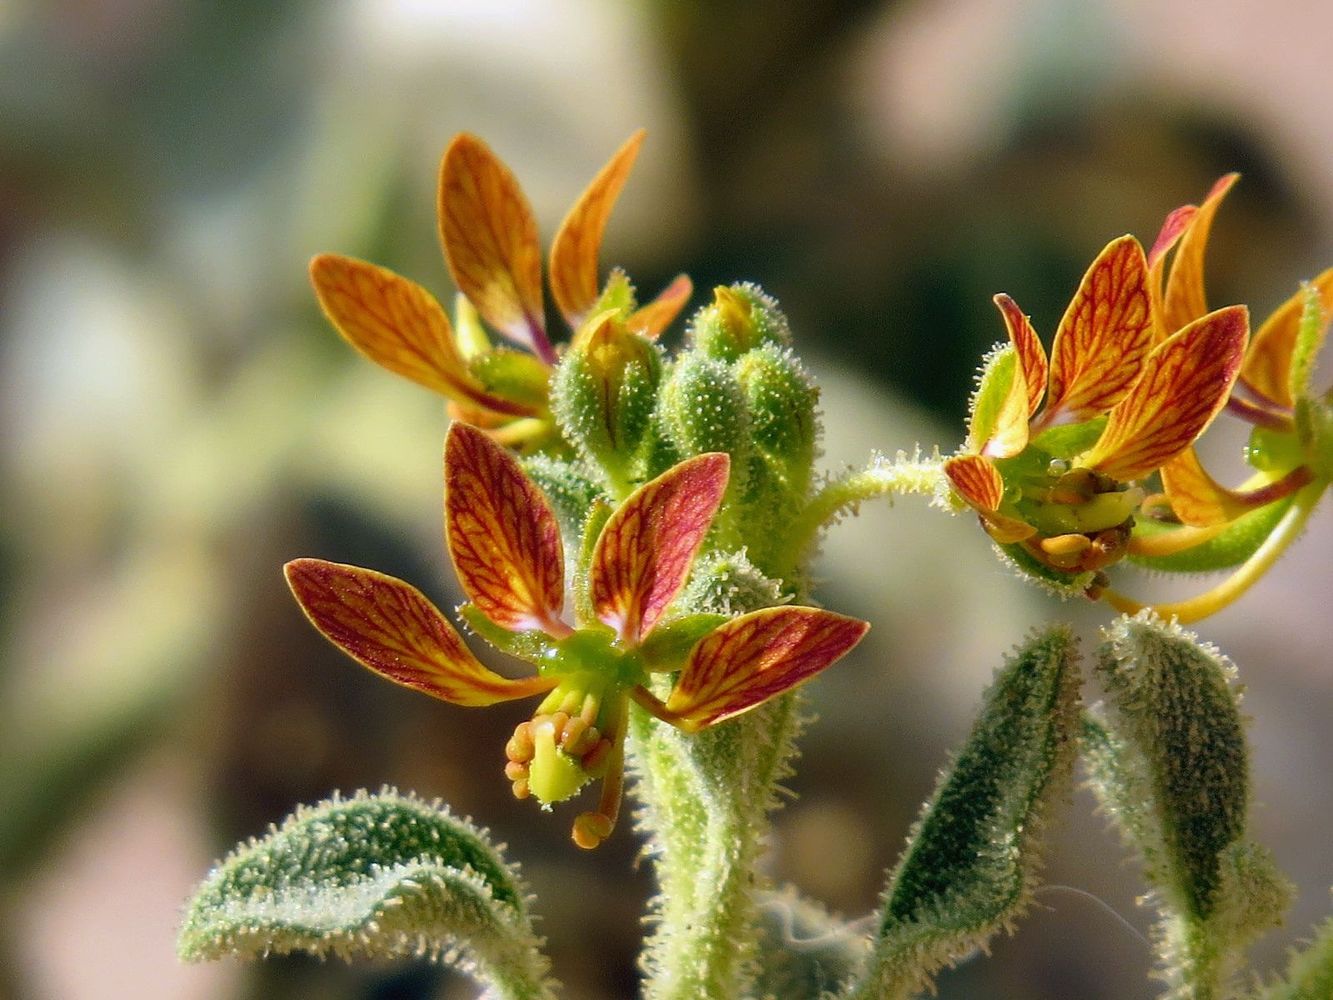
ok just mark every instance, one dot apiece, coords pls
pixel 591 828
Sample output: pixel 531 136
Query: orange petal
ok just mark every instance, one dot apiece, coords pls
pixel 574 283
pixel 1172 229
pixel 1031 356
pixel 1185 382
pixel 389 626
pixel 1267 369
pixel 502 535
pixel 977 481
pixel 758 656
pixel 1183 300
pixel 650 320
pixel 400 326
pixel 644 553
pixel 1198 500
pixel 1103 337
pixel 489 236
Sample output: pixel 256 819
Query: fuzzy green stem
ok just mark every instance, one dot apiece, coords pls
pixel 882 478
pixel 708 797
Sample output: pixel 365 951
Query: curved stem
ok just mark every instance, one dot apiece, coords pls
pixel 883 478
pixel 1246 575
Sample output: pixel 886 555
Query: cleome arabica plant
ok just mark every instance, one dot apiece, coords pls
pixel 636 526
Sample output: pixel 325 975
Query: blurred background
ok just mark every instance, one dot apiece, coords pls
pixel 178 420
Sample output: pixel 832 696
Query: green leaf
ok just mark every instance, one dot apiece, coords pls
pixel 973 857
pixel 1170 765
pixel 380 875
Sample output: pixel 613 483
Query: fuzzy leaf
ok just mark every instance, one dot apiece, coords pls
pixel 378 875
pixel 804 952
pixel 1170 765
pixel 973 857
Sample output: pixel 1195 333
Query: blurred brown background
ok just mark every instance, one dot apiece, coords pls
pixel 178 420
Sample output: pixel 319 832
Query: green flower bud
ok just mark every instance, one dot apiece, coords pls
pixel 703 409
pixel 513 375
pixel 781 399
pixel 604 393
pixel 740 318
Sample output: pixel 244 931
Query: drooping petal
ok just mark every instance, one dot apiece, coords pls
pixel 644 553
pixel 574 281
pixel 1031 355
pixel 758 656
pixel 502 535
pixel 1183 300
pixel 391 628
pixel 1185 382
pixel 1103 337
pixel 1172 229
pixel 998 426
pixel 400 326
pixel 1267 367
pixel 1200 501
pixel 489 235
pixel 651 319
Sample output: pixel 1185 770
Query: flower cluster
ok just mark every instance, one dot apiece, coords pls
pixel 1057 450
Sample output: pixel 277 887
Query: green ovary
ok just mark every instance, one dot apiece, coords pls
pixel 554 775
pixel 1098 512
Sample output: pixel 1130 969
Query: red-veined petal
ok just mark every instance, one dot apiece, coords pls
pixel 1200 501
pixel 1267 368
pixel 651 319
pixel 1031 355
pixel 644 553
pixel 1103 337
pixel 574 282
pixel 1183 300
pixel 1185 382
pixel 399 325
pixel 391 628
pixel 502 535
pixel 748 660
pixel 489 236
pixel 1172 229
pixel 977 481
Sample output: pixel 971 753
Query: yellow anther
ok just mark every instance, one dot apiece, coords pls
pixel 1065 545
pixel 514 770
pixel 521 790
pixel 572 735
pixel 520 747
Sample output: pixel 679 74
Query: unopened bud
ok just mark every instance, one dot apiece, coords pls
pixel 739 319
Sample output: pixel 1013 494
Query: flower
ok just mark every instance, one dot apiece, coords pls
pixel 505 545
pixel 1054 483
pixel 489 236
pixel 1198 523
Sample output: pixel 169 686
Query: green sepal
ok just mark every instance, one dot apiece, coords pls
pixel 1068 440
pixel 1230 548
pixel 740 318
pixel 1309 338
pixel 1309 971
pixel 533 645
pixel 702 409
pixel 1314 425
pixel 598 514
pixel 781 399
pixel 670 643
pixel 1170 765
pixel 512 374
pixel 973 856
pixel 617 294
pixel 1053 581
pixel 381 875
pixel 803 951
pixel 998 370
